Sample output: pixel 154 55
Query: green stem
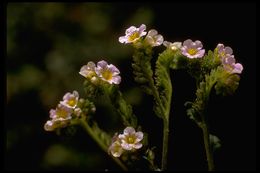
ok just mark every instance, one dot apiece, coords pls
pixel 208 149
pixel 165 144
pixel 88 129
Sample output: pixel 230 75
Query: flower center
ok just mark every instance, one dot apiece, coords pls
pixel 61 113
pixel 130 140
pixel 133 36
pixel 192 51
pixel 107 75
pixel 71 102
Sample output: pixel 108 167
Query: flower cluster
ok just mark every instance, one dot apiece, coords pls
pixel 108 73
pixel 134 34
pixel 61 116
pixel 228 60
pixel 129 140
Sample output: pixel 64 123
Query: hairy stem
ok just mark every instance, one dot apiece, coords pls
pixel 165 144
pixel 88 129
pixel 208 149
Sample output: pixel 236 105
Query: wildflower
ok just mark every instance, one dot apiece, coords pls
pixel 174 46
pixel 108 73
pixel 70 99
pixel 131 139
pixel 132 34
pixel 153 38
pixel 231 66
pixel 223 51
pixel 59 117
pixel 228 60
pixel 116 149
pixel 192 49
pixel 88 71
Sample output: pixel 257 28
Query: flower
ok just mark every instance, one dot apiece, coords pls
pixel 174 46
pixel 192 49
pixel 231 66
pixel 59 117
pixel 108 73
pixel 115 148
pixel 131 139
pixel 70 99
pixel 228 60
pixel 223 51
pixel 132 34
pixel 88 71
pixel 153 38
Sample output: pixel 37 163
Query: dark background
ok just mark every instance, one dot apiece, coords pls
pixel 47 43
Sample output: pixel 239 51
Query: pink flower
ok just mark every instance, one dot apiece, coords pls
pixel 70 99
pixel 132 34
pixel 108 73
pixel 231 66
pixel 59 117
pixel 192 49
pixel 228 60
pixel 131 139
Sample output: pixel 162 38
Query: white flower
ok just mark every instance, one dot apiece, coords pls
pixel 116 149
pixel 174 46
pixel 132 34
pixel 153 38
pixel 88 71
pixel 108 73
pixel 130 140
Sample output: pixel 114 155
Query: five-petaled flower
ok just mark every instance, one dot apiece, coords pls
pixel 173 46
pixel 131 139
pixel 132 34
pixel 153 38
pixel 70 99
pixel 192 49
pixel 108 73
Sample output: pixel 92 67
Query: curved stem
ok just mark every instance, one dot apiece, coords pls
pixel 88 129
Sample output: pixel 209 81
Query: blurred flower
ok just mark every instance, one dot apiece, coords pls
pixel 223 51
pixel 173 46
pixel 77 111
pixel 192 49
pixel 108 73
pixel 70 99
pixel 88 71
pixel 231 66
pixel 59 117
pixel 153 38
pixel 132 34
pixel 116 149
pixel 131 139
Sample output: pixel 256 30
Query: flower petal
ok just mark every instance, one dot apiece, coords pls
pixel 129 130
